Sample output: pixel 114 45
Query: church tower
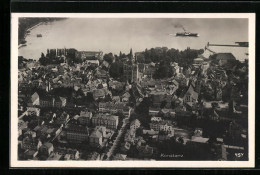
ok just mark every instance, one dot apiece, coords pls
pixel 131 55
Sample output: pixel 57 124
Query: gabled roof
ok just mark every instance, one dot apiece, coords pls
pixel 101 71
pixel 199 139
pixel 192 92
pixel 63 99
pixel 105 116
pixel 126 94
pixel 101 128
pixel 225 56
pixel 120 156
pixel 99 91
pixel 114 117
pixel 46 98
pixel 33 109
pixel 238 52
pixel 105 63
pixel 96 133
pixel 85 114
pixel 35 96
pixel 48 144
pixel 198 59
pixel 135 122
pixel 76 128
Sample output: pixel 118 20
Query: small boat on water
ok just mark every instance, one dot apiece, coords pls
pixel 39 35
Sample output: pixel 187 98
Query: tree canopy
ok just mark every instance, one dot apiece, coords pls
pixel 164 71
pixel 156 55
pixel 109 58
pixel 116 70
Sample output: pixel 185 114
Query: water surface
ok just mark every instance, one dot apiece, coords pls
pixel 115 35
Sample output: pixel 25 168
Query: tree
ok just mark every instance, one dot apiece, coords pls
pixel 142 110
pixel 91 67
pixel 109 58
pixel 20 60
pixel 141 58
pixel 80 93
pixel 116 70
pixel 132 99
pixel 163 104
pixel 164 70
pixel 89 98
pixel 107 98
pixel 43 60
pixel 173 104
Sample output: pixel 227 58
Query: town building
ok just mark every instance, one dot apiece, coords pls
pixel 60 102
pixel 29 142
pixel 96 137
pixel 112 107
pixel 156 119
pixel 33 111
pixel 85 118
pixel 145 151
pixel 55 156
pixel 101 74
pixel 35 100
pixel 90 55
pixel 46 149
pixel 46 101
pixel 107 120
pixel 131 73
pixel 62 119
pixel 92 62
pixel 99 93
pixel 30 154
pixel 158 97
pixel 165 126
pixel 223 58
pixel 190 96
pixel 135 124
pixel 21 126
pixel 77 134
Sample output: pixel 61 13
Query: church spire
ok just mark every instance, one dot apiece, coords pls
pixel 131 54
pixel 120 55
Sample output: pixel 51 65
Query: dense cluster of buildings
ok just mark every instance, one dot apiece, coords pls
pixel 72 112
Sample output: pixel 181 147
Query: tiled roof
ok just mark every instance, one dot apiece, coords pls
pixel 76 128
pixel 96 133
pixel 238 52
pixel 225 56
pixel 106 116
pixel 135 122
pixel 85 114
pixel 48 144
pixel 199 139
pixel 34 96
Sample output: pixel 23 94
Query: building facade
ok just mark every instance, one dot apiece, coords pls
pixel 85 118
pixel 109 121
pixel 77 134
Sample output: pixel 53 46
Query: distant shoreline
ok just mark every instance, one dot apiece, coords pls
pixel 27 26
pixel 20 44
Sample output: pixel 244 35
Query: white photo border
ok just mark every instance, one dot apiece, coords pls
pixel 14 162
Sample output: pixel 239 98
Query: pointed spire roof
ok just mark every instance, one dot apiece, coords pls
pixel 131 54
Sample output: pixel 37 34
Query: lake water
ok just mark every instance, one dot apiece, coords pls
pixel 115 35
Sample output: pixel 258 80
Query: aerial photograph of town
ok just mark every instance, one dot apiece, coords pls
pixel 131 89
